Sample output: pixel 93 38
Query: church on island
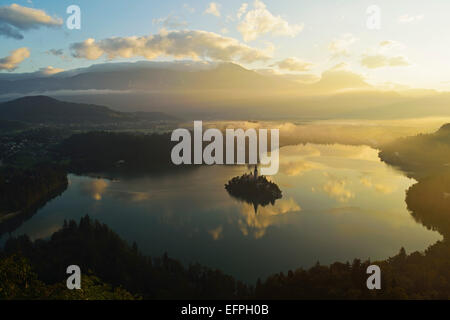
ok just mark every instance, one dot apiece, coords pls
pixel 255 173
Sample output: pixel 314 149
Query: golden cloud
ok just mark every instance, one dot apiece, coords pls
pixel 260 21
pixel 193 44
pixel 15 17
pixel 340 77
pixel 16 57
pixel 408 18
pixel 293 64
pixel 380 61
pixel 242 10
pixel 213 9
pixel 50 70
pixel 341 46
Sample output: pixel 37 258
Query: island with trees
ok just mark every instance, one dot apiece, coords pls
pixel 254 189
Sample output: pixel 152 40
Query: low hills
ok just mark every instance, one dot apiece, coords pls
pixel 43 109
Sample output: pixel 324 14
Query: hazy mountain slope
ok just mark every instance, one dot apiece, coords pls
pixel 201 90
pixel 43 109
pixel 434 105
pixel 223 76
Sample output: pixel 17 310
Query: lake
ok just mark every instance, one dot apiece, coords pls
pixel 339 203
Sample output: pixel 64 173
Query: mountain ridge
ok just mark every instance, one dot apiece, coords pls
pixel 159 78
pixel 44 109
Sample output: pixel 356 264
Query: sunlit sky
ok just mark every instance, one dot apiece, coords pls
pixel 305 37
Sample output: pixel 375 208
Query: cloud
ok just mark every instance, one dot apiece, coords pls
pixel 56 52
pixel 388 44
pixel 381 56
pixel 188 8
pixel 379 61
pixel 213 8
pixel 407 18
pixel 171 22
pixel 15 18
pixel 341 46
pixel 47 71
pixel 260 21
pixel 10 32
pixel 193 44
pixel 12 61
pixel 229 18
pixel 302 78
pixel 293 64
pixel 340 77
pixel 242 10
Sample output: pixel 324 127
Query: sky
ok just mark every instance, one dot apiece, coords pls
pixel 402 43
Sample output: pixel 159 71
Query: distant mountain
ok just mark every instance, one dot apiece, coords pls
pixel 411 107
pixel 147 76
pixel 212 90
pixel 43 109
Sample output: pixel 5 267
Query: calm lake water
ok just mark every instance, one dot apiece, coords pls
pixel 339 203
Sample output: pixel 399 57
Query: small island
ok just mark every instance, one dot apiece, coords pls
pixel 254 189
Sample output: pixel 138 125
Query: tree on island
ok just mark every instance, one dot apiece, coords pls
pixel 254 189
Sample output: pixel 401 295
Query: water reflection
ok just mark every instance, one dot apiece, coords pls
pixel 257 224
pixel 339 203
pixel 94 188
pixel 337 188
